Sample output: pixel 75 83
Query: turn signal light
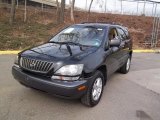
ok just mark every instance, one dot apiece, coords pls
pixel 82 88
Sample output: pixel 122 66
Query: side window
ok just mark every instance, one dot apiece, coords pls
pixel 122 34
pixel 112 34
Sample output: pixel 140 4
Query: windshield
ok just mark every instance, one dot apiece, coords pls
pixel 83 35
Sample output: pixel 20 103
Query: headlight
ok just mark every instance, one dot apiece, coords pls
pixel 69 72
pixel 16 64
pixel 16 60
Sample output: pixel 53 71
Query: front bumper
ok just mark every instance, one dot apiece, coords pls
pixel 59 88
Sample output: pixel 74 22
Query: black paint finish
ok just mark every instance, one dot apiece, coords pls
pixel 93 58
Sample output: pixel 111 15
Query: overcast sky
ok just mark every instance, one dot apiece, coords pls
pixel 114 6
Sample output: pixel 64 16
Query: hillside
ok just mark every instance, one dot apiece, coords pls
pixel 41 26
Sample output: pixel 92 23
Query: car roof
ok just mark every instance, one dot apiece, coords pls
pixel 101 24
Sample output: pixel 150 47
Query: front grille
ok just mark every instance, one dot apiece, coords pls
pixel 35 65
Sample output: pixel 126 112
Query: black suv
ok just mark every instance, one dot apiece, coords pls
pixel 76 62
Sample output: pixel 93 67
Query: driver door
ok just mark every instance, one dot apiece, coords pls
pixel 112 61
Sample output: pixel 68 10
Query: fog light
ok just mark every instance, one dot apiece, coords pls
pixel 64 78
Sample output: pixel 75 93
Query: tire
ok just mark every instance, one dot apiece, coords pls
pixel 125 68
pixel 88 98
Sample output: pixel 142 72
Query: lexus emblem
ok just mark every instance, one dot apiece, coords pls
pixel 33 63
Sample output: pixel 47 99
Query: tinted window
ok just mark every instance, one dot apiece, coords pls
pixel 112 34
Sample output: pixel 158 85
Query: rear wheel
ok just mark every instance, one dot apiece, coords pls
pixel 125 68
pixel 94 92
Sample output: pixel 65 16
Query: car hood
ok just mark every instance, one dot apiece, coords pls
pixel 59 52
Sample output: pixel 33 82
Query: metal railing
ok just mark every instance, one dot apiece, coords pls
pixel 155 30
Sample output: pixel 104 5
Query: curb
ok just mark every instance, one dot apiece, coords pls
pixel 144 51
pixel 8 52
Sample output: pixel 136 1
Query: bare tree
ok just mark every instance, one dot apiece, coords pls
pixel 137 6
pixel 72 10
pixel 144 7
pixel 42 6
pixel 105 6
pixel 58 11
pixel 121 7
pixel 0 3
pixel 153 9
pixel 62 11
pixel 89 10
pixel 86 5
pixel 12 16
pixel 17 3
pixel 25 10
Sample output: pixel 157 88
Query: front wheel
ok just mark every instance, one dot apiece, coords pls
pixel 94 92
pixel 125 68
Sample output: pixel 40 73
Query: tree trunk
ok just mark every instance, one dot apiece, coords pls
pixel 12 16
pixel 62 11
pixel 121 8
pixel 105 6
pixel 89 10
pixel 42 6
pixel 17 3
pixel 153 9
pixel 86 6
pixel 72 10
pixel 58 12
pixel 25 11
pixel 0 3
pixel 144 7
pixel 137 6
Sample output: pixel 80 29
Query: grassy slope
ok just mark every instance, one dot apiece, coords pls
pixel 22 36
pixel 40 26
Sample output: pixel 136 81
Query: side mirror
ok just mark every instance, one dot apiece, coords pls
pixel 115 42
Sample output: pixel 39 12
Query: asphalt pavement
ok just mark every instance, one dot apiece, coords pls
pixel 133 96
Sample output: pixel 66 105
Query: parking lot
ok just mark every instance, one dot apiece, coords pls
pixel 133 96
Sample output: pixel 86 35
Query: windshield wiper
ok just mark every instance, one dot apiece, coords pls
pixel 56 42
pixel 73 43
pixel 67 45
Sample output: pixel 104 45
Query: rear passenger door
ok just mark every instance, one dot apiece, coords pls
pixel 124 48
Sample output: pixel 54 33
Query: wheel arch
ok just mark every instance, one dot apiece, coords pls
pixel 103 69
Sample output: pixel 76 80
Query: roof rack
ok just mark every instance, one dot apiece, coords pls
pixel 103 23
